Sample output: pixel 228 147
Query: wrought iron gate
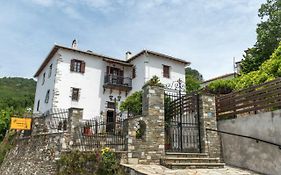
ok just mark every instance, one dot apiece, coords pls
pixel 181 121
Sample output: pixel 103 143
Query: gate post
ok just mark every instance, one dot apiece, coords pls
pixel 75 114
pixel 150 148
pixel 210 141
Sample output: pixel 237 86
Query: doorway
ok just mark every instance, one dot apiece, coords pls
pixel 110 121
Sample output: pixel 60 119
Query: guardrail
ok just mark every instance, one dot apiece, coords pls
pixel 244 136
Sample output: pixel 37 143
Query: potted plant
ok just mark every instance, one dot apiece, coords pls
pixel 87 130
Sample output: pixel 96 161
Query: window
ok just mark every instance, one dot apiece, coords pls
pixel 111 105
pixel 47 96
pixel 77 66
pixel 44 76
pixel 50 70
pixel 134 72
pixel 38 105
pixel 166 71
pixel 75 94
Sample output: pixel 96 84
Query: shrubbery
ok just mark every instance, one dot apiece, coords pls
pixel 100 162
pixel 269 70
pixel 133 103
pixel 6 145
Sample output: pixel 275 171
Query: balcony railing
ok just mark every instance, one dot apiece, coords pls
pixel 119 82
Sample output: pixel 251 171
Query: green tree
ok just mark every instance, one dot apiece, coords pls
pixel 16 95
pixel 269 70
pixel 192 79
pixel 268 36
pixel 133 103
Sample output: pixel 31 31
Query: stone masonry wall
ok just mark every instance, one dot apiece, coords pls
pixel 37 154
pixel 210 141
pixel 150 148
pixel 33 156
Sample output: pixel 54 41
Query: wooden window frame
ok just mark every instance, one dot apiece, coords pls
pixel 47 97
pixel 77 66
pixel 50 70
pixel 134 72
pixel 38 105
pixel 166 71
pixel 44 78
pixel 75 94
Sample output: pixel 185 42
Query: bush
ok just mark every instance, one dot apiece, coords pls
pixel 221 86
pixel 89 163
pixel 154 81
pixel 133 103
pixel 6 145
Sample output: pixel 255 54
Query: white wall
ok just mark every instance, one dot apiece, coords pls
pixel 92 96
pixel 140 78
pixel 41 89
pixel 149 65
pixel 155 67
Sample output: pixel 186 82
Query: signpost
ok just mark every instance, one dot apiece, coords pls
pixel 20 123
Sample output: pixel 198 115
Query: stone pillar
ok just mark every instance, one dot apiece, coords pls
pixel 75 114
pixel 210 141
pixel 150 148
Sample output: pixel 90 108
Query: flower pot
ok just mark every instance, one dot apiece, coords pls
pixel 87 131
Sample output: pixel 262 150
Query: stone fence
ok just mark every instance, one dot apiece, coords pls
pixel 149 147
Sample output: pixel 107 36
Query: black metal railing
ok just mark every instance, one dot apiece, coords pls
pixel 244 136
pixel 118 80
pixel 181 122
pixel 96 133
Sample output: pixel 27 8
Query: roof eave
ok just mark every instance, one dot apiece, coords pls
pixel 46 60
pixel 158 54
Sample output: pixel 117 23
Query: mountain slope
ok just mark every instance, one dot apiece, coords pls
pixel 16 92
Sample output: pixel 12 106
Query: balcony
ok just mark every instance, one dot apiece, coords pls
pixel 117 82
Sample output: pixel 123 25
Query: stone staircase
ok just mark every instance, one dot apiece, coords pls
pixel 174 160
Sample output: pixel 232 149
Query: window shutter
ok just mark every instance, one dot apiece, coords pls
pixel 134 72
pixel 83 65
pixel 78 95
pixel 72 65
pixel 166 71
pixel 107 70
pixel 121 73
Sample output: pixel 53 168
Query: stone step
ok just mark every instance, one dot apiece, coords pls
pixel 188 155
pixel 193 165
pixel 170 159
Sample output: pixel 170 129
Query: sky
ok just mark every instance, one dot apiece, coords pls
pixel 207 33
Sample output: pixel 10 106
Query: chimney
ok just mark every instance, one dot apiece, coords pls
pixel 128 55
pixel 74 44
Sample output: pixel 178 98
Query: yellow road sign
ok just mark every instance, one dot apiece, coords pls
pixel 21 123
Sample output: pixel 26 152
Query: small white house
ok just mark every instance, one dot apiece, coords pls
pixel 72 78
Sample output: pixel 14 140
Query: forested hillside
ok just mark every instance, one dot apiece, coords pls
pixel 17 93
pixel 16 96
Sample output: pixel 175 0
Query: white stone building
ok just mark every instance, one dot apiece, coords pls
pixel 72 78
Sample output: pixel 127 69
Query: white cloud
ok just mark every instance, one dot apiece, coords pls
pixel 98 3
pixel 46 3
pixel 72 13
pixel 207 33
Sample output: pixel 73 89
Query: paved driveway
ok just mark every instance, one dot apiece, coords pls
pixel 160 170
